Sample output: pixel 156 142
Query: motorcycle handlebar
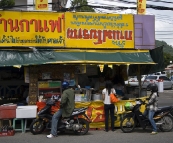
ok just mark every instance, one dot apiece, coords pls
pixel 143 102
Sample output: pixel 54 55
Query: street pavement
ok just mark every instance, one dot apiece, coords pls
pixel 99 136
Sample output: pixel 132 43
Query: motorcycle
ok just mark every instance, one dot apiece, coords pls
pixel 135 118
pixel 78 125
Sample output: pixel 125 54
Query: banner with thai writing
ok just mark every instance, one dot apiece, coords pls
pixel 41 4
pixel 92 30
pixel 141 7
pixel 31 29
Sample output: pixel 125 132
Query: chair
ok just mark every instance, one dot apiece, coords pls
pixel 21 125
pixel 25 126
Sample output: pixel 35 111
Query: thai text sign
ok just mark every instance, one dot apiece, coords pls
pixel 141 7
pixel 91 30
pixel 31 29
pixel 41 4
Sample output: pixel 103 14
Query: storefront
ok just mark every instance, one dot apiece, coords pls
pixel 66 48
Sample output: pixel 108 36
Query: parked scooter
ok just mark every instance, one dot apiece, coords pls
pixel 135 118
pixel 78 125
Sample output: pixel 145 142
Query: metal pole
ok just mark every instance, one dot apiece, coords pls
pixel 139 79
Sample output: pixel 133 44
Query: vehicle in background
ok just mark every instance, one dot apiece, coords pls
pixel 167 83
pixel 171 78
pixel 133 81
pixel 161 73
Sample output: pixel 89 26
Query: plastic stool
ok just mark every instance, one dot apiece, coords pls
pixel 25 126
pixel 22 124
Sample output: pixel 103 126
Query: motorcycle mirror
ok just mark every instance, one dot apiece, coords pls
pixel 78 86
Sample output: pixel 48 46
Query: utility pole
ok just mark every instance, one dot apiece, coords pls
pixel 141 9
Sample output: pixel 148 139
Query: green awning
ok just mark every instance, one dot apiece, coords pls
pixel 10 58
pixel 104 57
pixel 157 56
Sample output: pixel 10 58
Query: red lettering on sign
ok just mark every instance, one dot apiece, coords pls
pixel 13 25
pixel 85 34
pixel 100 35
pixel 42 5
pixel 141 10
pixel 5 24
pixel 23 25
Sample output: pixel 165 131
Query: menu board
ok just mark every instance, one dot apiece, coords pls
pixel 47 89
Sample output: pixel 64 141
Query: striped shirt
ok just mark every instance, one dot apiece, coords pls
pixel 152 103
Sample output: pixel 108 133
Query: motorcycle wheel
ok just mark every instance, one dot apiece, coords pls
pixel 167 125
pixel 37 126
pixel 85 126
pixel 128 124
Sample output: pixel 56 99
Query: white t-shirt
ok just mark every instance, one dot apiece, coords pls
pixel 107 97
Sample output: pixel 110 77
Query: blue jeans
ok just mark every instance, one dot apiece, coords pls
pixel 55 120
pixel 150 114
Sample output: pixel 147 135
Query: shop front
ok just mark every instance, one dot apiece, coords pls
pixel 76 53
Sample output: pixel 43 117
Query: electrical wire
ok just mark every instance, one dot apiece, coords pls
pixel 104 7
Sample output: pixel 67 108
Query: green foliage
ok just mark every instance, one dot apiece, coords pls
pixel 167 51
pixel 75 3
pixel 6 3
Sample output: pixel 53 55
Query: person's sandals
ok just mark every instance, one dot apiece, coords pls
pixel 153 133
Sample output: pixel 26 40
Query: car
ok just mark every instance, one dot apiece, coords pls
pixel 171 78
pixel 167 83
pixel 133 81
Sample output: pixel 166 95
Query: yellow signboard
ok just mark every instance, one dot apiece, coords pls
pixel 31 29
pixel 41 4
pixel 92 30
pixel 141 7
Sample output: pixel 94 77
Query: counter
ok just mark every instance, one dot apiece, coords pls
pixel 96 111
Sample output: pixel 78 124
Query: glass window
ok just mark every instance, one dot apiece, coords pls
pixel 151 77
pixel 164 78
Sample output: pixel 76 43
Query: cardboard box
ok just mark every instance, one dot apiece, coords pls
pixel 8 111
pixel 26 111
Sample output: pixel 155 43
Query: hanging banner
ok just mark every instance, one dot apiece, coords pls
pixel 141 7
pixel 41 4
pixel 31 29
pixel 92 30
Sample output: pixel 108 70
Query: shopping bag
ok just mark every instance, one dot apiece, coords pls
pixel 113 98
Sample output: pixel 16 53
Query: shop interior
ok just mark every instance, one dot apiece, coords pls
pixel 14 84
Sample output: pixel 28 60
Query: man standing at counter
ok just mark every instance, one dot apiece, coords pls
pixel 100 85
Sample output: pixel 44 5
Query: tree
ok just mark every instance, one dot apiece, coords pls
pixel 75 3
pixel 7 3
pixel 167 51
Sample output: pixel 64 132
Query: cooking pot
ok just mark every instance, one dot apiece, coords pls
pixel 97 97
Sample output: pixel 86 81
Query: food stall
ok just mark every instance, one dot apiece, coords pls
pixel 115 39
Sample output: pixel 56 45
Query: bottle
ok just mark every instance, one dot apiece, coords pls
pixel 3 129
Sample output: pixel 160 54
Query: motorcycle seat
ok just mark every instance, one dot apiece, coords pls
pixel 77 109
pixel 164 108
